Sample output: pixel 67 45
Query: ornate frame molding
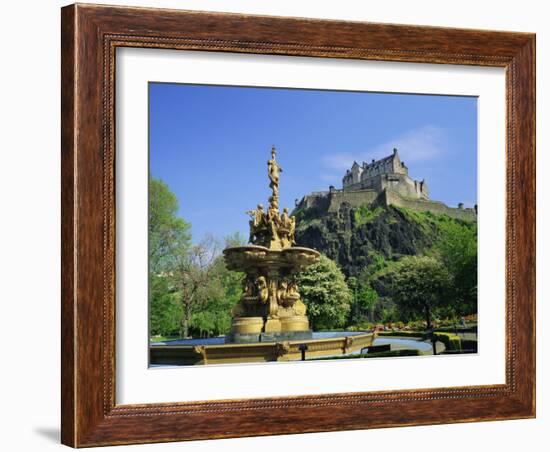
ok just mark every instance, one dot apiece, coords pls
pixel 90 36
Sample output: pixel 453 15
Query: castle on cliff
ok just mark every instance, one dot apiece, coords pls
pixel 382 182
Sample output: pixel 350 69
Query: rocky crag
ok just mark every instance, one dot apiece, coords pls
pixel 356 236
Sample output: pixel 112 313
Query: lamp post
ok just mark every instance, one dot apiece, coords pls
pixel 303 348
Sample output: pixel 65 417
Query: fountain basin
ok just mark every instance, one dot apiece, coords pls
pixel 216 351
pixel 270 292
pixel 254 257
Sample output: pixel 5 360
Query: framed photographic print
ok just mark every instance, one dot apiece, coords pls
pixel 282 225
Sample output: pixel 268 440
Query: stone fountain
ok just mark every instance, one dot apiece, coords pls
pixel 270 308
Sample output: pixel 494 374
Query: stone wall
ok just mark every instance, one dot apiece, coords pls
pixel 353 198
pixel 404 185
pixel 318 200
pixel 389 197
pixel 331 201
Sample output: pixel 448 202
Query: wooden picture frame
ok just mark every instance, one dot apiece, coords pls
pixel 90 36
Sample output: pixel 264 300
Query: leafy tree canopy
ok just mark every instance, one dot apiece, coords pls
pixel 169 234
pixel 418 285
pixel 324 291
pixel 457 249
pixel 223 291
pixel 165 311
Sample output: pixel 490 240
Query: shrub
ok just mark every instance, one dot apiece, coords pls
pixel 417 324
pixel 415 334
pixel 392 353
pixel 364 214
pixel 451 341
pixel 325 293
pixel 451 329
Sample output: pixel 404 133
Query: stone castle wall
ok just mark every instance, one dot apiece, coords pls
pixel 330 202
pixel 353 198
pixel 389 197
pixel 317 200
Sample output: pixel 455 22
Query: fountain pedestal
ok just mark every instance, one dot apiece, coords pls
pixel 270 308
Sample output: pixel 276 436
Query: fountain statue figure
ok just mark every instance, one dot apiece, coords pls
pixel 270 308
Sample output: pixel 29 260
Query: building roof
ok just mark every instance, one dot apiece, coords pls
pixel 381 161
pixel 373 164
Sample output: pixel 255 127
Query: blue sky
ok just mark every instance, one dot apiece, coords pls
pixel 211 144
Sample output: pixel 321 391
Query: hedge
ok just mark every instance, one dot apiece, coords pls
pixel 451 341
pixel 392 353
pixel 418 334
pixel 461 329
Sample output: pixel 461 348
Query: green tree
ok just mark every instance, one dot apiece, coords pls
pixel 364 299
pixel 235 239
pixel 165 311
pixel 353 286
pixel 224 290
pixel 368 300
pixel 419 286
pixel 457 249
pixel 324 291
pixel 190 272
pixel 213 318
pixel 168 235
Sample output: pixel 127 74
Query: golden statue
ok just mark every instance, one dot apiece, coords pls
pixel 270 304
pixel 256 222
pixel 271 229
pixel 263 292
pixel 287 227
pixel 257 216
pixel 273 171
pixel 250 295
pixel 281 292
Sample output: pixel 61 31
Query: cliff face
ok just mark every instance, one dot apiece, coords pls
pixel 355 236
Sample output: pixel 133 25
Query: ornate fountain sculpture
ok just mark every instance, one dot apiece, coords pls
pixel 270 308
